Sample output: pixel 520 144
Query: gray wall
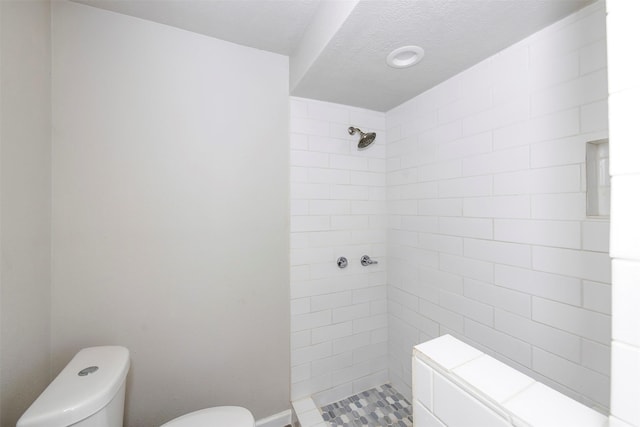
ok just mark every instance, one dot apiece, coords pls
pixel 170 211
pixel 25 158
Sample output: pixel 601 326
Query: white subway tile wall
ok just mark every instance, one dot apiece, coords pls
pixel 338 208
pixel 488 234
pixel 623 33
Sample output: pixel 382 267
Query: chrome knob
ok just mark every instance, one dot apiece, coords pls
pixel 365 260
pixel 342 262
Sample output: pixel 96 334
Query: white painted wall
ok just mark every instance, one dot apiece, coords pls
pixel 489 238
pixel 338 316
pixel 624 89
pixel 170 211
pixel 25 209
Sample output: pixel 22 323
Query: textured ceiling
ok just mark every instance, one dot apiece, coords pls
pixel 272 25
pixel 454 35
pixel 350 68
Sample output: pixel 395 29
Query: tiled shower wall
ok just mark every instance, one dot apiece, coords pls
pixel 489 239
pixel 623 34
pixel 339 316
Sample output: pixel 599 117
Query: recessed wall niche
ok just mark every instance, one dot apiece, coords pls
pixel 598 181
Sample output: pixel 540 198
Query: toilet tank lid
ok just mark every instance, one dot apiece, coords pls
pixel 80 390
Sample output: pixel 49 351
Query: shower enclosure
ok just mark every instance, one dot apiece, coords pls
pixel 472 199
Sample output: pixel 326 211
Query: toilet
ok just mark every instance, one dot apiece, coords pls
pixel 89 392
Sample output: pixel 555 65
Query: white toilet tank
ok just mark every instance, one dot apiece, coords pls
pixel 89 392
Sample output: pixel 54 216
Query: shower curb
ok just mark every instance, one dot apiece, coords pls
pixel 307 413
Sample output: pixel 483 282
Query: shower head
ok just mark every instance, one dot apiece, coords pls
pixel 365 138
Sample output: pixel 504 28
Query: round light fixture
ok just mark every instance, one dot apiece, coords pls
pixel 405 56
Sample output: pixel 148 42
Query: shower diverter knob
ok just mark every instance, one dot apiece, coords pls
pixel 365 260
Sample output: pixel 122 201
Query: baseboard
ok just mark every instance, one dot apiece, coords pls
pixel 278 420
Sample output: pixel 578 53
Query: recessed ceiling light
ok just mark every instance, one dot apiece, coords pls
pixel 405 56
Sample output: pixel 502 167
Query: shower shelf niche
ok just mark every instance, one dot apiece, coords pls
pixel 598 181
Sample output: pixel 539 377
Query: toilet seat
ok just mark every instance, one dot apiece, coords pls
pixel 223 416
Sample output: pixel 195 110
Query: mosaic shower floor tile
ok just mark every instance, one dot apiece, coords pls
pixel 380 406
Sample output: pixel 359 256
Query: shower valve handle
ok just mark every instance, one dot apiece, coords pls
pixel 365 260
pixel 342 262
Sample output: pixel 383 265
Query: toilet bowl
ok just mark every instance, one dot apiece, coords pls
pixel 89 392
pixel 223 416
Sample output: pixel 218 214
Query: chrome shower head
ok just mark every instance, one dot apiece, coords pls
pixel 365 138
